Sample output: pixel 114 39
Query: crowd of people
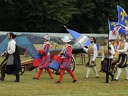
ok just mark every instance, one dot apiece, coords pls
pixel 11 64
pixel 107 65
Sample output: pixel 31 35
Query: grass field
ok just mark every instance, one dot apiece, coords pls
pixel 46 87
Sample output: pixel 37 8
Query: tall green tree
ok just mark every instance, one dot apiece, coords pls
pixel 82 22
pixel 36 15
pixel 94 15
pixel 85 16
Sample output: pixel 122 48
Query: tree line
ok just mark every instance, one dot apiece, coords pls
pixel 84 16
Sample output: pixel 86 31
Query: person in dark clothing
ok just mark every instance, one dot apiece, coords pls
pixel 11 64
pixel 107 59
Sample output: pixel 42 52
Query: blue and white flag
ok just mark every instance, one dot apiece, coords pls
pixel 122 15
pixel 113 30
pixel 123 29
pixel 81 39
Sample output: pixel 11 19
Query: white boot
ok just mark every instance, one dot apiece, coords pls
pixel 95 71
pixel 88 72
pixel 118 73
pixel 126 72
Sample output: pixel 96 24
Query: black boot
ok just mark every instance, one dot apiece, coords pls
pixel 112 77
pixel 17 78
pixel 107 77
pixel 2 74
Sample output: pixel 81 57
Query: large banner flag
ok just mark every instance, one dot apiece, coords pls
pixel 122 16
pixel 123 29
pixel 82 40
pixel 113 30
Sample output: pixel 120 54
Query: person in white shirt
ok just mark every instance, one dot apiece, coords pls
pixel 107 58
pixel 122 48
pixel 12 63
pixel 92 54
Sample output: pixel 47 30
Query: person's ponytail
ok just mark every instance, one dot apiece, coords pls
pixel 13 35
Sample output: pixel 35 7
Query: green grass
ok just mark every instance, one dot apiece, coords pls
pixel 46 87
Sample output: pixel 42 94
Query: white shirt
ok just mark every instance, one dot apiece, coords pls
pixel 11 47
pixel 94 50
pixel 112 52
pixel 125 47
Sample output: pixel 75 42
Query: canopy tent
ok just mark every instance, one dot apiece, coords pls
pixel 2 37
pixel 22 42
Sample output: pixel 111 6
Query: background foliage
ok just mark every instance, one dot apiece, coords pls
pixel 84 16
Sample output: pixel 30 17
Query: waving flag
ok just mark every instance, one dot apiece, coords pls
pixel 126 18
pixel 113 30
pixel 122 16
pixel 82 40
pixel 123 29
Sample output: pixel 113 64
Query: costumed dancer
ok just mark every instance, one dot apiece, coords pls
pixel 66 55
pixel 11 64
pixel 92 54
pixel 45 60
pixel 122 58
pixel 107 59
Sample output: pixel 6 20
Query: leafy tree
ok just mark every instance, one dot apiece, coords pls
pixel 84 16
pixel 94 15
pixel 37 15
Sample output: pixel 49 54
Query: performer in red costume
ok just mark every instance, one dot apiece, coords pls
pixel 66 55
pixel 45 61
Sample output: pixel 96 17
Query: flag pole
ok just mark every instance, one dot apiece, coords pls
pixel 109 28
pixel 108 40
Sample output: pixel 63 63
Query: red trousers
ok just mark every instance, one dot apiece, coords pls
pixel 48 70
pixel 62 74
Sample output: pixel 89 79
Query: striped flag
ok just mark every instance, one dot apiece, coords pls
pixel 81 39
